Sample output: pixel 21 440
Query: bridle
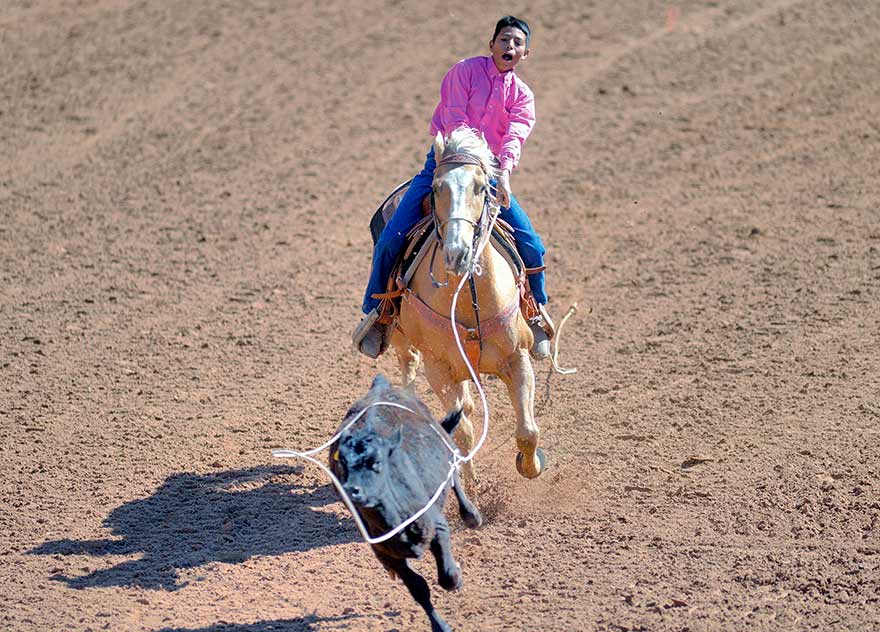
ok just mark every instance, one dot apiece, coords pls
pixel 461 159
pixel 479 224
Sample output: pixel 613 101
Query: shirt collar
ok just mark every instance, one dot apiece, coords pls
pixel 492 71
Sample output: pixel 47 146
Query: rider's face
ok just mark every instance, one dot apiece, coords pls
pixel 508 48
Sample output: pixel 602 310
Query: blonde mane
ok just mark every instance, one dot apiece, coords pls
pixel 465 140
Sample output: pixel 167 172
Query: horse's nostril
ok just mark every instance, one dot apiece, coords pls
pixel 457 260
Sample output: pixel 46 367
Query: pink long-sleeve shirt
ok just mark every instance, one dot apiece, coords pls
pixel 474 93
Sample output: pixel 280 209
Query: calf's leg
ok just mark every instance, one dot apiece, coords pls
pixel 419 590
pixel 466 509
pixel 448 571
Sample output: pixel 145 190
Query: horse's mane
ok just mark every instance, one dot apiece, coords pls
pixel 465 140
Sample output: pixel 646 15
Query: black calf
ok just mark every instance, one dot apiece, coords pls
pixel 391 462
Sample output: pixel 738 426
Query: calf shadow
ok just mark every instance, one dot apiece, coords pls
pixel 195 519
pixel 302 624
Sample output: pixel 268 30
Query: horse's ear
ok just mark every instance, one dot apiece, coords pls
pixel 439 146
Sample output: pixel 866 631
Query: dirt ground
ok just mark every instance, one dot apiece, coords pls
pixel 184 197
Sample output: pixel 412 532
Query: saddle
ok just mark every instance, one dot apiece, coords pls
pixel 386 209
pixel 418 242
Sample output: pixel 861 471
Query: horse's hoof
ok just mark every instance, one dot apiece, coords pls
pixel 542 462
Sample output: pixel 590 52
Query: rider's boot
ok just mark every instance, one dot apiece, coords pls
pixel 543 330
pixel 371 337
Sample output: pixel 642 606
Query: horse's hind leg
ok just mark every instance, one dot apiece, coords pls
pixel 455 395
pixel 520 382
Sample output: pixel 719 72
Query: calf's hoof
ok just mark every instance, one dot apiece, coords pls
pixel 471 519
pixel 541 464
pixel 453 580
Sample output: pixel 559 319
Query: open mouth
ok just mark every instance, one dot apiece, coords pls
pixel 507 57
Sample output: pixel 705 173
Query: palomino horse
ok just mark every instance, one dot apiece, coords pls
pixel 461 206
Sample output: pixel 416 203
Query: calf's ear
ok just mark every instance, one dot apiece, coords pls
pixel 380 381
pixel 395 440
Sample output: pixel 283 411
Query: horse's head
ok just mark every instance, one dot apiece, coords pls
pixel 465 165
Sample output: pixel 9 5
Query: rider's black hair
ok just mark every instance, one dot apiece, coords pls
pixel 509 20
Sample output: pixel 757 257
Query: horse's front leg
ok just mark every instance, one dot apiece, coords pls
pixel 520 381
pixel 408 358
pixel 455 395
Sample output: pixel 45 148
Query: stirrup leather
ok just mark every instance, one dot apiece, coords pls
pixel 543 321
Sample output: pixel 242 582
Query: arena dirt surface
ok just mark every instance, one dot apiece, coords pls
pixel 184 197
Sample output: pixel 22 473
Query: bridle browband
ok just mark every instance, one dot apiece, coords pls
pixel 460 158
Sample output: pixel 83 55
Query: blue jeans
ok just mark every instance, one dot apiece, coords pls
pixel 409 212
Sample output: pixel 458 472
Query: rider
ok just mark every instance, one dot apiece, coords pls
pixel 483 93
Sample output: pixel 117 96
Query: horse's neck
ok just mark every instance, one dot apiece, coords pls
pixel 495 285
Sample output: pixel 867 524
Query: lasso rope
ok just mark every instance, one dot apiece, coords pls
pixel 307 455
pixel 555 355
pixel 457 459
pixel 454 463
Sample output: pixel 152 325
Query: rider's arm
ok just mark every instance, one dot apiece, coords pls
pixel 520 121
pixel 454 94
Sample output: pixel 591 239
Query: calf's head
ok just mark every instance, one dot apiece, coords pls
pixel 364 459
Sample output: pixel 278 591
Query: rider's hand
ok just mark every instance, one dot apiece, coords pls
pixel 502 189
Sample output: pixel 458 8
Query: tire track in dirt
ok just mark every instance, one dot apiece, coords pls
pixel 671 182
pixel 569 75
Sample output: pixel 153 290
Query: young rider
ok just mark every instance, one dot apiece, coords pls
pixel 485 94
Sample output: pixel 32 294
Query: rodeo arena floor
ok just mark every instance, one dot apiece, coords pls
pixel 185 192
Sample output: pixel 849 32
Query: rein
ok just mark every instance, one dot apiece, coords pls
pixel 479 225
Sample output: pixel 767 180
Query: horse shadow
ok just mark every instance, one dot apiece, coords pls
pixel 196 519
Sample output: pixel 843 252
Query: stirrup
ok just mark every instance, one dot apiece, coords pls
pixel 543 331
pixel 359 337
pixel 541 346
pixel 544 321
